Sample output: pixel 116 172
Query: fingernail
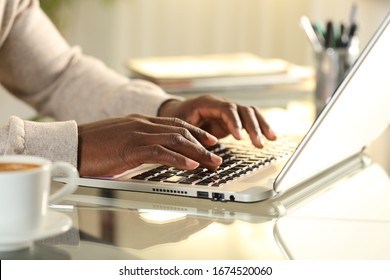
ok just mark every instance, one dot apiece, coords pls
pixel 272 133
pixel 260 139
pixel 191 164
pixel 212 138
pixel 238 134
pixel 216 159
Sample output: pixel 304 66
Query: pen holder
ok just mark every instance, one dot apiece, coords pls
pixel 332 65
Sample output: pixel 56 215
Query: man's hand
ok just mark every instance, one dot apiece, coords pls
pixel 112 146
pixel 220 117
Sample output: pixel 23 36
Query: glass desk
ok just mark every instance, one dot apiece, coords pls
pixel 348 219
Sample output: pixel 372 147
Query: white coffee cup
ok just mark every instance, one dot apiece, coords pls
pixel 25 192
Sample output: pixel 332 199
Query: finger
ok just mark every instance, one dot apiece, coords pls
pixel 251 125
pixel 231 117
pixel 201 135
pixel 179 144
pixel 264 126
pixel 153 128
pixel 227 113
pixel 216 128
pixel 159 154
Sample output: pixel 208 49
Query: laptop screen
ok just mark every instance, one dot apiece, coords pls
pixel 357 114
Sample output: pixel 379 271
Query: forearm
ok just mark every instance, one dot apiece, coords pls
pixel 55 141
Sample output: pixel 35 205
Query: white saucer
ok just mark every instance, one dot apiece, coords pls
pixel 55 224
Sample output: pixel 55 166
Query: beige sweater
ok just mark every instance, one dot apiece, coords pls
pixel 39 67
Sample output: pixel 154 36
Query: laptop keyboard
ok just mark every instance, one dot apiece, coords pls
pixel 239 159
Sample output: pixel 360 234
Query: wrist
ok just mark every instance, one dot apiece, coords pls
pixel 167 108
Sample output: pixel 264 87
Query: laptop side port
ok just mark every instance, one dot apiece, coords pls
pixel 202 194
pixel 218 196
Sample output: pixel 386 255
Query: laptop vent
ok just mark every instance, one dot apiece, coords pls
pixel 168 191
pixel 171 208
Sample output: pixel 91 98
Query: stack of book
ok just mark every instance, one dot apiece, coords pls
pixel 217 72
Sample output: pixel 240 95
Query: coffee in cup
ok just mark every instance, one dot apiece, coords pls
pixel 15 166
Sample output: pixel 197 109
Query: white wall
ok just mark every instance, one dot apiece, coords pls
pixel 120 29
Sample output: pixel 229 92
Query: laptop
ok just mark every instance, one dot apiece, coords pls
pixel 356 114
pixel 265 211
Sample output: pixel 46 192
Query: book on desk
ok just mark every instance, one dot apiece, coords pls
pixel 217 71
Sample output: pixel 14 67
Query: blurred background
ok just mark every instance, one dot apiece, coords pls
pixel 115 30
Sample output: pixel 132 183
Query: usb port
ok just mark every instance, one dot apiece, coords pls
pixel 202 194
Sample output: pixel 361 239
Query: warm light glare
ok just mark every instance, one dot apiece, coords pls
pixel 161 217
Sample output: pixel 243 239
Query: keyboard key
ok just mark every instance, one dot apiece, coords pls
pixel 190 181
pixel 237 162
pixel 174 179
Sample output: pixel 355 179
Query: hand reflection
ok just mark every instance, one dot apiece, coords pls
pixel 139 230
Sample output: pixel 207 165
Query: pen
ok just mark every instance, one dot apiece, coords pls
pixel 329 36
pixel 320 31
pixel 344 37
pixel 311 34
pixel 352 24
pixel 352 16
pixel 352 32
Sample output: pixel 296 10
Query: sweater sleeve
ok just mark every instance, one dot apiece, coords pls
pixel 39 67
pixel 55 141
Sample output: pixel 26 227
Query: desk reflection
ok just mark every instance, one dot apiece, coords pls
pixel 132 229
pixel 160 234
